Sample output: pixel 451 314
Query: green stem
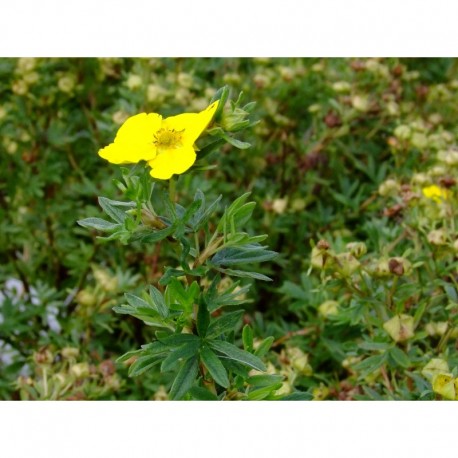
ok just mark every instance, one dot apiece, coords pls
pixel 172 189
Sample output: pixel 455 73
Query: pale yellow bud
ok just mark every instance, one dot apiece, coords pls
pixel 360 103
pixel 80 370
pixel 434 367
pixel 70 352
pixel 389 187
pixel 279 205
pixel 119 117
pixel 419 140
pixel 328 308
pixel 20 87
pixel 341 86
pixel 437 237
pixel 134 82
pixel 402 132
pixel 185 80
pixel 400 327
pixel 66 84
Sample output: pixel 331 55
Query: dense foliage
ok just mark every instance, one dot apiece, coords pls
pixel 353 167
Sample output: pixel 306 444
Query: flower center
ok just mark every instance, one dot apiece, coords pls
pixel 168 139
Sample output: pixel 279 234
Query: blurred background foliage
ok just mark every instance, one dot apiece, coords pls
pixel 342 151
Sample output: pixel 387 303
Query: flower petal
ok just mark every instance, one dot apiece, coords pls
pixel 193 124
pixel 124 153
pixel 134 140
pixel 172 161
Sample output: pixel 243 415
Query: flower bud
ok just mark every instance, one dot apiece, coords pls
pixel 434 367
pixel 86 298
pixel 346 264
pixel 105 280
pixel 155 93
pixel 20 87
pixel 134 82
pixel 438 328
pixel 389 187
pixel 449 157
pixel 402 132
pixel 161 394
pixel 319 257
pixel 43 357
pixel 80 370
pixel 285 389
pixel 299 361
pixel 328 308
pixel 26 64
pixel 360 103
pixel 437 237
pixel 233 79
pixel 357 249
pixel 320 392
pixel 119 117
pixel 279 205
pixel 70 352
pixel 185 80
pixel 399 266
pixel 421 179
pixel 66 84
pixel 419 140
pixel 341 86
pixel 400 327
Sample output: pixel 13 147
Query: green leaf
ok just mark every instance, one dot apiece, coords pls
pixel 264 380
pixel 234 142
pixel 203 319
pixel 214 366
pixel 242 255
pixel 110 207
pixel 224 324
pixel 143 364
pixel 144 235
pixel 184 352
pixel 99 224
pixel 243 274
pixel 176 340
pixel 184 379
pixel 158 301
pixel 234 353
pixel 201 394
pixel 371 363
pixel 264 392
pixel 247 337
pixel 264 347
pixel 400 357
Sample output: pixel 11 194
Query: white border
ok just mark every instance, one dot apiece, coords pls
pixel 245 28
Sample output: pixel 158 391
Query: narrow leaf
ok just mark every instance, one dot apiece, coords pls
pixel 232 352
pixel 214 366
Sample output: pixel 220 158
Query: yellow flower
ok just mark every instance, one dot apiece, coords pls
pixel 166 144
pixel 436 193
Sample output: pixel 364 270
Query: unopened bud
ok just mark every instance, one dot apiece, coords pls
pixel 80 370
pixel 389 187
pixel 400 327
pixel 399 266
pixel 347 264
pixel 437 237
pixel 320 392
pixel 357 249
pixel 434 367
pixel 43 357
pixel 69 352
pixel 328 308
pixel 402 132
